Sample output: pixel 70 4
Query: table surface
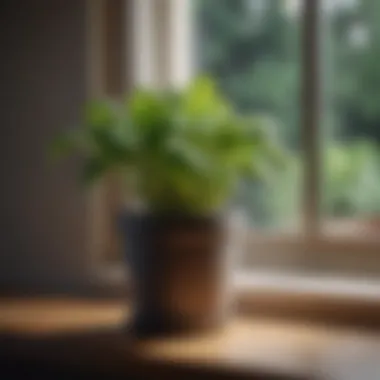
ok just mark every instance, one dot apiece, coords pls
pixel 89 334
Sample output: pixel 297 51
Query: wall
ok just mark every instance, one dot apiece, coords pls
pixel 42 76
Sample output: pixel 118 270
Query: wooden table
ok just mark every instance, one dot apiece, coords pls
pixel 81 338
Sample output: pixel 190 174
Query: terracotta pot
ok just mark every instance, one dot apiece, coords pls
pixel 181 272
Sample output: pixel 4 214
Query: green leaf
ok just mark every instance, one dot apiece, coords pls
pixel 202 100
pixel 100 114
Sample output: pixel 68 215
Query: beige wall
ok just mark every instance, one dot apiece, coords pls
pixel 42 74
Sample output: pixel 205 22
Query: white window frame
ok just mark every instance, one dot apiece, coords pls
pixel 162 28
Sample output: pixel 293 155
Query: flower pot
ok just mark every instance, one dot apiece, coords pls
pixel 181 271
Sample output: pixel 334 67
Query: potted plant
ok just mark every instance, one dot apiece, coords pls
pixel 183 154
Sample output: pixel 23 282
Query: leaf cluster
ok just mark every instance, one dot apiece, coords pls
pixel 182 151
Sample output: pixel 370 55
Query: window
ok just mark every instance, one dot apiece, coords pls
pixel 311 66
pixel 252 49
pixel 351 154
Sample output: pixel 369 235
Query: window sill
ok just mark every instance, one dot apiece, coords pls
pixel 309 285
pixel 281 283
pixel 326 299
pixel 322 299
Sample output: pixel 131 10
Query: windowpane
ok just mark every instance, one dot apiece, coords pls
pixel 351 159
pixel 251 48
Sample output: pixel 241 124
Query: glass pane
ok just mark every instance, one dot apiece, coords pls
pixel 351 159
pixel 251 48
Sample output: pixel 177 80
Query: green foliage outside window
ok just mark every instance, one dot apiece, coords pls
pixel 252 49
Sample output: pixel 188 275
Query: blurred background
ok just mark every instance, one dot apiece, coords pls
pixel 55 55
pixel 254 49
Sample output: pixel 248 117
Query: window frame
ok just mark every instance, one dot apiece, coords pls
pixel 311 243
pixel 159 28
